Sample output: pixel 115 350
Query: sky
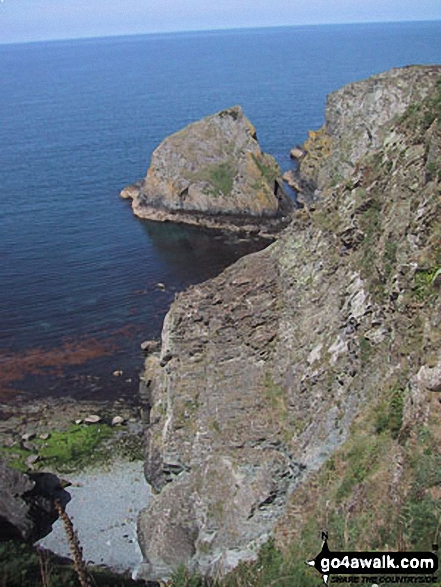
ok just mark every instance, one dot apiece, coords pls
pixel 35 20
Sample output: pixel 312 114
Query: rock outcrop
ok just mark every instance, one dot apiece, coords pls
pixel 355 122
pixel 213 173
pixel 27 509
pixel 264 369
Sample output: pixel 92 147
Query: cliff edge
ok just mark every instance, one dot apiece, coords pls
pixel 213 173
pixel 304 374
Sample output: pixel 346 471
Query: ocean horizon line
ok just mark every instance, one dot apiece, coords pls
pixel 215 31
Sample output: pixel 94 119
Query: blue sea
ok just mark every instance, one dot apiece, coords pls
pixel 79 120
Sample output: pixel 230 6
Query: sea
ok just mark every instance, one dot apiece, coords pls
pixel 82 281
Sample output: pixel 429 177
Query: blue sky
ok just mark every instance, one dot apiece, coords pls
pixel 29 20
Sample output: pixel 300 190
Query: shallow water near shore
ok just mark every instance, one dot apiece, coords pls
pixel 79 120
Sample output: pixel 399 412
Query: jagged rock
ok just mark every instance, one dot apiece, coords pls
pixel 263 370
pixel 213 173
pixel 355 117
pixel 27 509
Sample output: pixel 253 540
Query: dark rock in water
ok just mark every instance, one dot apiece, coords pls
pixel 213 173
pixel 27 509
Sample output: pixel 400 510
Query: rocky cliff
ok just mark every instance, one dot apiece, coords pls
pixel 303 369
pixel 213 173
pixel 354 121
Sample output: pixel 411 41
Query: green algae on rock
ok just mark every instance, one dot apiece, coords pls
pixel 213 173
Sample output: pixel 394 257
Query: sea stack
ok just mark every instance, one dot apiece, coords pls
pixel 213 173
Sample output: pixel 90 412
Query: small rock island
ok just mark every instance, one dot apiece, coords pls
pixel 213 173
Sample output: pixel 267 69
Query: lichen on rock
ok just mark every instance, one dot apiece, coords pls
pixel 265 370
pixel 213 173
pixel 354 119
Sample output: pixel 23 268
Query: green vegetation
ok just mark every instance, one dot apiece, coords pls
pixel 423 283
pixel 275 397
pixel 22 565
pixel 271 569
pixel 229 112
pixel 327 220
pixel 63 451
pixel 361 458
pixel 221 177
pixel 269 170
pixel 390 258
pixel 420 116
pixel 390 413
pixel 422 510
pixel 433 171
pixel 76 447
pixel 73 448
pixel 370 223
pixel 215 426
pixel 365 349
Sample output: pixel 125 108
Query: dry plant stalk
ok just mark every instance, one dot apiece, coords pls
pixel 44 568
pixel 75 547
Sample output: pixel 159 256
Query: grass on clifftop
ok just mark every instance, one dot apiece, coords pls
pixel 380 491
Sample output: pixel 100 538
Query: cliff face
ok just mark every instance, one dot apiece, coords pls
pixel 213 173
pixel 354 121
pixel 265 370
